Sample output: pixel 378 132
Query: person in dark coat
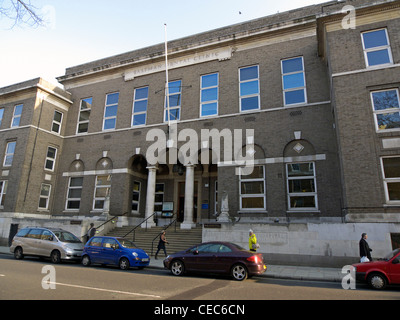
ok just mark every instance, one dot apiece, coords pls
pixel 161 244
pixel 365 250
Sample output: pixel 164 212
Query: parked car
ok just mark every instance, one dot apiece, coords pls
pixel 57 244
pixel 217 257
pixel 381 272
pixel 115 251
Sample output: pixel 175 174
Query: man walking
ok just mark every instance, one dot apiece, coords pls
pixel 365 250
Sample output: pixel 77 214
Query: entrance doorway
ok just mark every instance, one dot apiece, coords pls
pixel 181 201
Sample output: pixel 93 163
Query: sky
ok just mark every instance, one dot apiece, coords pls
pixel 77 32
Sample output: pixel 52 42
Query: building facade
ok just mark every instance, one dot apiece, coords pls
pixel 309 98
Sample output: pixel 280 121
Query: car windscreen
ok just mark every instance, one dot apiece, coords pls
pixel 391 254
pixel 65 236
pixel 127 244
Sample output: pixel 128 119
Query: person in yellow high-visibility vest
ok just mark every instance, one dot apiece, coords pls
pixel 253 245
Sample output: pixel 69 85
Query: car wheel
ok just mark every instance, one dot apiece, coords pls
pixel 86 261
pixel 177 268
pixel 124 264
pixel 239 272
pixel 18 253
pixel 377 281
pixel 55 256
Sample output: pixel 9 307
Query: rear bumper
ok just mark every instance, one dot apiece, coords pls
pixel 257 269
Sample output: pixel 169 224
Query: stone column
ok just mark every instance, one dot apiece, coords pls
pixel 189 196
pixel 150 198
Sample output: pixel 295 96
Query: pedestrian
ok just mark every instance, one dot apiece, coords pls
pixel 91 232
pixel 161 244
pixel 365 250
pixel 253 245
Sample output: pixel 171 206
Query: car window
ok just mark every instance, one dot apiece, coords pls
pixel 22 232
pixel 47 235
pixel 224 248
pixel 65 236
pixel 34 233
pixel 210 247
pixel 95 242
pixel 127 244
pixel 109 243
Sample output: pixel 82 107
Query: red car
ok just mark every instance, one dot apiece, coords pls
pixel 217 257
pixel 381 272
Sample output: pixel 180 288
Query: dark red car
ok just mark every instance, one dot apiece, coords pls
pixel 217 257
pixel 381 272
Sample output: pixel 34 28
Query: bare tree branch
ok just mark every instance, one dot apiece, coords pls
pixel 21 12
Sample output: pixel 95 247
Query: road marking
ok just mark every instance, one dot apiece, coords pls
pixel 104 290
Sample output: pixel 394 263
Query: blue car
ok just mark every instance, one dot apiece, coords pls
pixel 115 251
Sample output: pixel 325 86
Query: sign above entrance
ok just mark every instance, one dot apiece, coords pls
pixel 218 54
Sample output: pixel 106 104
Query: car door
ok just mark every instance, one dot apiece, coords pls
pixel 31 243
pixel 109 251
pixel 395 269
pixel 93 249
pixel 206 257
pixel 45 243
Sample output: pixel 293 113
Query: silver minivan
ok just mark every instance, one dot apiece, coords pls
pixel 56 244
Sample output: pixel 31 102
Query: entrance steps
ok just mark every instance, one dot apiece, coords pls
pixel 178 240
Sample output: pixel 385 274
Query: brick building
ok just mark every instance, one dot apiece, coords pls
pixel 312 95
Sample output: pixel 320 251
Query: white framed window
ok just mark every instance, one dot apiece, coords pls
pixel 16 119
pixel 386 107
pixel 301 186
pixel 293 81
pixel 50 159
pixel 391 178
pixel 44 197
pixel 57 122
pixel 252 189
pixel 1 115
pixel 136 196
pixel 140 101
pixel 84 114
pixel 110 111
pixel 376 46
pixel 209 95
pixel 9 156
pixel 102 189
pixel 249 88
pixel 3 191
pixel 159 197
pixel 173 101
pixel 74 193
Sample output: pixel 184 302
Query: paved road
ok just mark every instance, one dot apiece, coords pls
pixel 21 280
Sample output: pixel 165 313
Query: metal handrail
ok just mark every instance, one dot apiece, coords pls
pixel 152 243
pixel 134 228
pixel 112 218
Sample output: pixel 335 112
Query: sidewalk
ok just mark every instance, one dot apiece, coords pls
pixel 273 271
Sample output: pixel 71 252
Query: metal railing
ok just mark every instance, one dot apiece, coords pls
pixel 134 228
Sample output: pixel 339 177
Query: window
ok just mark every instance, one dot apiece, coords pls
pixel 9 156
pixel 249 89
pixel 34 234
pixel 209 95
pixel 84 114
pixel 44 196
pixel 391 178
pixel 16 116
pixel 173 101
pixel 74 193
pixel 50 158
pixel 386 109
pixel 293 81
pixel 1 115
pixel 135 196
pixel 140 106
pixel 110 243
pixel 159 197
pixel 95 242
pixel 103 185
pixel 252 189
pixel 110 112
pixel 3 191
pixel 376 47
pixel 301 186
pixel 57 120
